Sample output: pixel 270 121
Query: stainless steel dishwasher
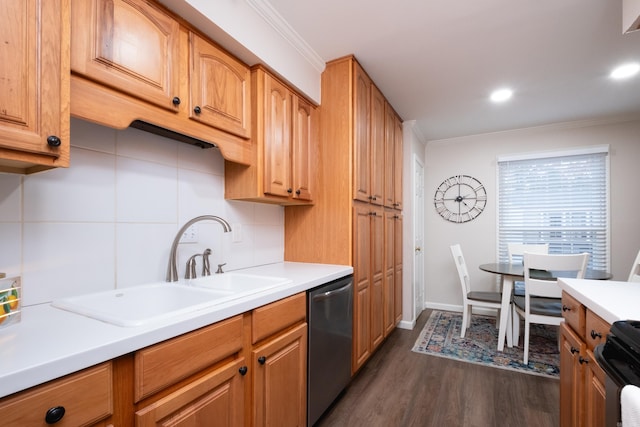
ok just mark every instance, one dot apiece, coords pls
pixel 330 314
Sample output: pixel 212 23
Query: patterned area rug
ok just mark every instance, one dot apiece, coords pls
pixel 441 337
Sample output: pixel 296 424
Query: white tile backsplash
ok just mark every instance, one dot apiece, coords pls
pixel 61 259
pixel 145 191
pixel 84 192
pixel 10 198
pixel 109 219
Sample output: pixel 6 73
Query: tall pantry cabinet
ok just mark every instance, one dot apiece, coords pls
pixel 356 218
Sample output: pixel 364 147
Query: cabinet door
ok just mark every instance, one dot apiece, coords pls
pixel 362 285
pixel 130 45
pixel 389 272
pixel 377 165
pixel 219 88
pixel 389 153
pixel 303 146
pixel 397 162
pixel 377 277
pixel 397 269
pixel 595 394
pixel 34 83
pixel 571 377
pixel 215 399
pixel 277 138
pixel 361 137
pixel 280 380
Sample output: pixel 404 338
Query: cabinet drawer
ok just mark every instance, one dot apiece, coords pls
pixel 168 362
pixel 276 316
pixel 596 330
pixel 573 313
pixel 86 397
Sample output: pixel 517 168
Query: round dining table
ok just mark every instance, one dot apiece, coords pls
pixel 515 272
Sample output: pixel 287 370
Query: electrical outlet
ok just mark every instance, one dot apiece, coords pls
pixel 236 230
pixel 190 235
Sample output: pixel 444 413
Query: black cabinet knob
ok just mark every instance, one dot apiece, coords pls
pixel 54 414
pixel 565 308
pixel 176 101
pixel 197 109
pixel 243 370
pixel 53 141
pixel 289 190
pixel 574 350
pixel 595 334
pixel 262 360
pixel 298 192
pixel 583 360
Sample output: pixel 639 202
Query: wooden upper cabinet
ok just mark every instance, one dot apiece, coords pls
pixel 219 86
pixel 303 148
pixel 277 138
pixel 361 135
pixel 34 83
pixel 397 169
pixel 377 162
pixel 389 156
pixel 285 137
pixel 130 45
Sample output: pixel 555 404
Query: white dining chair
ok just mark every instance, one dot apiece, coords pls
pixel 542 300
pixel 634 276
pixel 473 298
pixel 515 252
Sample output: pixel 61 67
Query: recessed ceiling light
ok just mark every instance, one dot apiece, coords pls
pixel 501 95
pixel 625 71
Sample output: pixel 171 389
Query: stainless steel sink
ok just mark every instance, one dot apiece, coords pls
pixel 140 305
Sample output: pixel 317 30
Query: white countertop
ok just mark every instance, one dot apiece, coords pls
pixel 610 300
pixel 48 342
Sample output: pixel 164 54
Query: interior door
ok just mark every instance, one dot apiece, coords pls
pixel 418 230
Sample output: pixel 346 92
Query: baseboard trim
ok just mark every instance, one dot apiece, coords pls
pixel 407 324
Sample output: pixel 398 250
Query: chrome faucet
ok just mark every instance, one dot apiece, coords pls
pixel 172 268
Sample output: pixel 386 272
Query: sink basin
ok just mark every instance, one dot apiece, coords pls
pixel 140 305
pixel 239 283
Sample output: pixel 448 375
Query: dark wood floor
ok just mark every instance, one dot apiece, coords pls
pixel 399 387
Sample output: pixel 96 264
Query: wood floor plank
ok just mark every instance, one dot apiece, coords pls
pixel 398 387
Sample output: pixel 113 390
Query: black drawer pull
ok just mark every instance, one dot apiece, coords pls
pixel 595 334
pixel 262 360
pixel 54 414
pixel 243 370
pixel 583 360
pixel 574 350
pixel 565 308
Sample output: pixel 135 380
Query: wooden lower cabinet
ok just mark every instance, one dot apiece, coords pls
pixel 215 399
pixel 84 398
pixel 279 369
pixel 582 390
pixel 248 370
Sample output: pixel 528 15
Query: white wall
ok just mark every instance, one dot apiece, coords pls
pixel 109 220
pixel 476 156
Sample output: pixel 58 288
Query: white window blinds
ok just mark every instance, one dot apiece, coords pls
pixel 561 199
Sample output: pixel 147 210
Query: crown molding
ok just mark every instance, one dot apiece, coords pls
pixel 278 23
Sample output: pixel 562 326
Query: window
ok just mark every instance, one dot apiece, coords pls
pixel 557 198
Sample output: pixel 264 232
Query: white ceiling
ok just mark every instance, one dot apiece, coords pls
pixel 436 61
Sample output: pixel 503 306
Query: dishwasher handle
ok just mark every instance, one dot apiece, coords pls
pixel 329 294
